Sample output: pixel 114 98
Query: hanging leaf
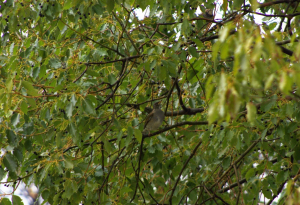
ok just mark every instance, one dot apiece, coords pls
pixel 110 5
pixel 29 88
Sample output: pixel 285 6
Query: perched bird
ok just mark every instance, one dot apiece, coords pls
pixel 154 120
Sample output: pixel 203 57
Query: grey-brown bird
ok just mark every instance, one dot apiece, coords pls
pixel 154 120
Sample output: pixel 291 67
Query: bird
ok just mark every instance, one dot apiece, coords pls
pixel 154 120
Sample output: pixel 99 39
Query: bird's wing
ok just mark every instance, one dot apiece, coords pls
pixel 148 118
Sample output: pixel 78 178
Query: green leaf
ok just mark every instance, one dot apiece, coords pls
pixel 162 73
pixel 68 4
pixel 42 71
pixel 254 4
pixel 125 190
pixel 269 81
pixel 45 194
pixel 226 162
pixel 192 103
pixel 263 134
pixel 250 173
pixel 266 106
pixel 9 84
pixel 224 6
pixel 285 83
pixel 215 50
pixel 5 201
pixel 238 3
pixel 28 128
pixel 15 119
pixel 129 132
pixel 289 154
pixel 28 145
pixel 198 43
pixel 88 106
pixel 98 9
pixel 99 53
pixel 70 188
pixel 99 171
pixel 111 79
pixel 11 138
pixel 281 177
pixel 69 110
pixel 2 173
pixel 9 3
pixel 267 193
pixel 68 164
pixel 213 113
pixel 184 26
pixel 17 200
pixel 117 123
pixel 54 63
pixel 60 25
pixel 272 25
pixel 10 162
pixel 73 99
pixel 193 51
pixel 18 154
pixel 74 133
pixel 110 5
pixel 251 112
pixel 176 170
pixel 30 89
pixel 35 72
pixel 138 135
pixel 224 33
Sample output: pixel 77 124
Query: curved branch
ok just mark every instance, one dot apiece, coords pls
pixel 184 166
pixel 129 37
pixel 117 83
pixel 171 90
pixel 111 167
pixel 180 97
pixel 286 51
pixel 138 170
pixel 242 181
pixel 87 66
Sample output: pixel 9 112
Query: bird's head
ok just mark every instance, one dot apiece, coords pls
pixel 157 105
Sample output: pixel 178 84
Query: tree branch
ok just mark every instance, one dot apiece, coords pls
pixel 184 166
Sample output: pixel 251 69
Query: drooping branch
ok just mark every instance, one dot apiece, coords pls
pixel 179 93
pixel 182 169
pixel 117 84
pixel 111 168
pixel 124 29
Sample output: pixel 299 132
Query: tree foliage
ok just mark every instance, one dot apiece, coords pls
pixel 78 78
